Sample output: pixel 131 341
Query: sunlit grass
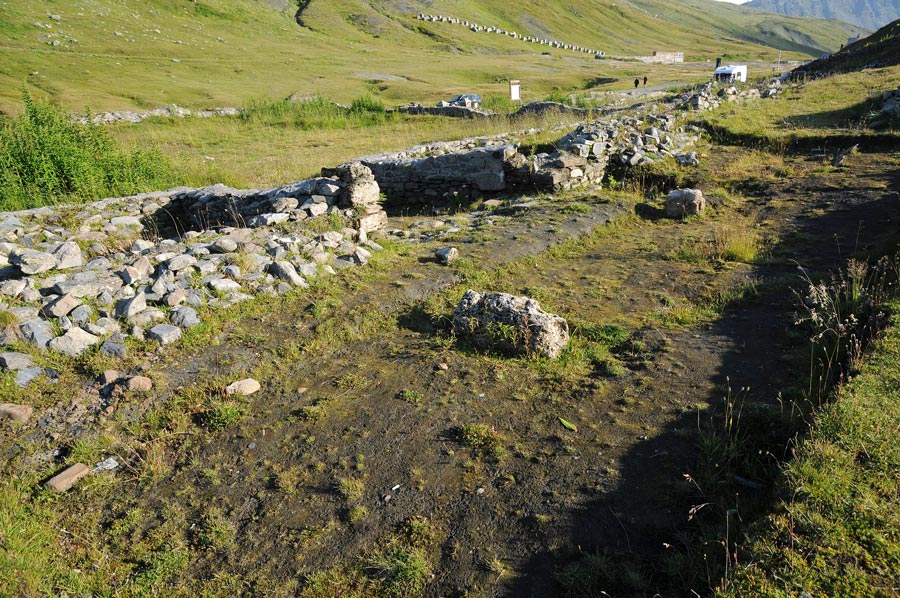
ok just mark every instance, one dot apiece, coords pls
pixel 259 152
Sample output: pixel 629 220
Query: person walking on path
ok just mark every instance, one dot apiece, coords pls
pixel 636 83
pixel 645 80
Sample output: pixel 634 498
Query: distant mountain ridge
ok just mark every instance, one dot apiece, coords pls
pixel 870 14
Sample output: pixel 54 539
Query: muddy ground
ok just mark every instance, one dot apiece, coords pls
pixel 365 383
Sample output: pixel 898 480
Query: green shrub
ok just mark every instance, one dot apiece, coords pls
pixel 366 104
pixel 46 158
pixel 221 415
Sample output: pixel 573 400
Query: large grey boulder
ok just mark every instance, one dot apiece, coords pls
pixel 511 324
pixel 68 255
pixel 74 342
pixel 128 308
pixel 37 331
pixel 286 271
pixel 164 334
pixel 31 261
pixel 685 202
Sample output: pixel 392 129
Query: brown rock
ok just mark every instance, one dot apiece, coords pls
pixel 109 376
pixel 67 478
pixel 15 412
pixel 139 383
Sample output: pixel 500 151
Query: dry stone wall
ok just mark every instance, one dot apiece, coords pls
pixel 73 278
pixel 490 29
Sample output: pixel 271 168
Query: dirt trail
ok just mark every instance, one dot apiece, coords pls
pixel 385 409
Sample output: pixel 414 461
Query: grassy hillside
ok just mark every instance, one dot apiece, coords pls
pixel 114 54
pixel 871 14
pixel 729 23
pixel 881 49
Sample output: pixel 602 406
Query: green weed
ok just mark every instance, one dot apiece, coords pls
pixel 214 531
pixel 484 440
pixel 402 571
pixel 47 158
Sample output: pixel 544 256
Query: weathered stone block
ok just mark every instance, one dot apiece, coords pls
pixel 67 478
pixel 507 323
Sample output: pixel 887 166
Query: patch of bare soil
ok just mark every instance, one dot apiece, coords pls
pixel 384 408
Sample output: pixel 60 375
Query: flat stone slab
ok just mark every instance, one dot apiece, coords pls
pixel 224 285
pixel 165 334
pixel 25 376
pixel 61 306
pixel 74 342
pixel 12 360
pixel 16 412
pixel 67 478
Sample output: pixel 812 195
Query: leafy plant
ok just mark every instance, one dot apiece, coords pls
pixel 483 439
pixel 214 531
pixel 47 158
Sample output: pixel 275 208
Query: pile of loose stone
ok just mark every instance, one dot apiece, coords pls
pixel 710 96
pixel 172 111
pixel 68 288
pixel 890 101
pixel 631 141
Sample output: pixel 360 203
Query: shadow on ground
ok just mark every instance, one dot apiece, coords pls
pixel 636 538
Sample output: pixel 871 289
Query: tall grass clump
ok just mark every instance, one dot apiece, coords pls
pixel 842 315
pixel 316 113
pixel 499 103
pixel 46 158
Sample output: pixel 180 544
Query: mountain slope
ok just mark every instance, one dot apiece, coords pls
pixel 881 49
pixel 869 14
pixel 737 23
pixel 123 54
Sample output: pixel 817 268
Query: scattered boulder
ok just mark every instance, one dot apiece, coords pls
pixel 25 376
pixel 685 202
pixel 38 332
pixel 244 387
pixel 286 271
pixel 114 349
pixel 128 308
pixel 446 255
pixel 15 412
pixel 185 317
pixel 138 384
pixel 109 376
pixel 61 306
pixel 31 261
pixel 74 342
pixel 165 334
pixel 506 323
pixel 11 360
pixel 68 255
